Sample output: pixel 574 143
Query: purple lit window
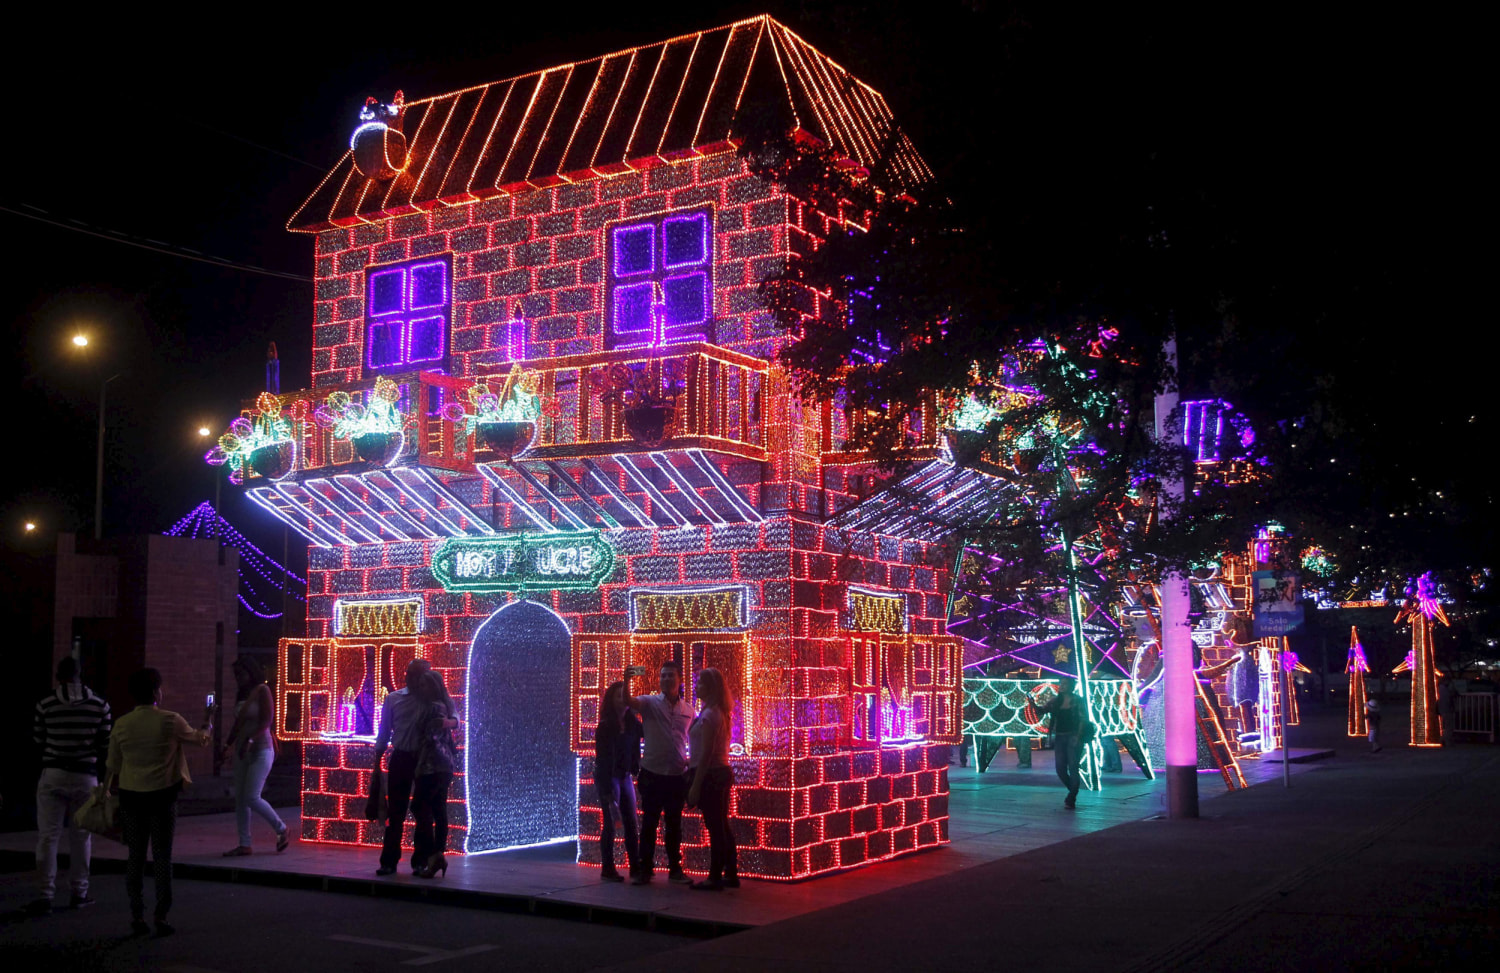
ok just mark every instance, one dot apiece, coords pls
pixel 661 280
pixel 407 311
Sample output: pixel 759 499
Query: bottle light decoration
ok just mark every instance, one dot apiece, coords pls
pixel 1422 609
pixel 1357 667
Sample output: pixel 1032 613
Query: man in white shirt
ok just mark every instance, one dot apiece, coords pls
pixel 665 717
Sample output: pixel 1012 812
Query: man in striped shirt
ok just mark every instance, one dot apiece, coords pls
pixel 72 729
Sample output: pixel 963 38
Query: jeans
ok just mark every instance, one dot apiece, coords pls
pixel 402 769
pixel 59 795
pixel 1068 748
pixel 661 794
pixel 249 778
pixel 429 805
pixel 617 796
pixel 1023 751
pixel 713 804
pixel 149 816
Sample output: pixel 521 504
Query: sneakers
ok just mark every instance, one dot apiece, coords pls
pixel 81 901
pixel 641 878
pixel 678 877
pixel 164 929
pixel 731 882
pixel 138 927
pixel 39 907
pixel 1070 802
pixel 611 876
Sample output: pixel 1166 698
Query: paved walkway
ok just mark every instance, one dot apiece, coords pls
pixel 1368 861
pixel 1001 813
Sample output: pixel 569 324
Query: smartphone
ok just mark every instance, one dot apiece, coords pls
pixel 208 701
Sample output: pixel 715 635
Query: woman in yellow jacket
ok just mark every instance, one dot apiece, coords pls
pixel 147 767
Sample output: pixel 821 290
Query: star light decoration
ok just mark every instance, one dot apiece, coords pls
pixel 1422 609
pixel 243 447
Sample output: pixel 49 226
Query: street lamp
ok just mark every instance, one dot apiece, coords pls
pixel 81 340
pixel 30 526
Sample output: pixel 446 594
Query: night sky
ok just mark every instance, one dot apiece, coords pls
pixel 1338 148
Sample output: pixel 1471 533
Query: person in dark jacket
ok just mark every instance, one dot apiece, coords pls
pixel 1066 710
pixel 617 757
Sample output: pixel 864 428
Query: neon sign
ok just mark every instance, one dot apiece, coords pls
pixel 524 562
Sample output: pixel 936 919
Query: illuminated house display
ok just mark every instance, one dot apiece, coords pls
pixel 547 438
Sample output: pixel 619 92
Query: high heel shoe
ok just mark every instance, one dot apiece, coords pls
pixel 437 863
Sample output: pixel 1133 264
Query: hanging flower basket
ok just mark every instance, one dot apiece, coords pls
pixel 273 461
pixel 506 440
pixel 647 424
pixel 378 448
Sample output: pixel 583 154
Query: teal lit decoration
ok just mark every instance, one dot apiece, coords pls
pixel 995 709
pixel 563 561
pixel 260 444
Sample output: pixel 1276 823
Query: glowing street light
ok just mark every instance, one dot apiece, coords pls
pixel 81 340
pixel 30 526
pixel 204 431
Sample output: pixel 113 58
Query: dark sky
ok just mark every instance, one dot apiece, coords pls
pixel 1326 134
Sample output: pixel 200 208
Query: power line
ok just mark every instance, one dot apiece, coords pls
pixel 156 246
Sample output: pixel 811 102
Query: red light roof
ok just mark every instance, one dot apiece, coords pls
pixel 630 110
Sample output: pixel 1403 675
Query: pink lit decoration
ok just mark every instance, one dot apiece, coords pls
pixel 584 222
pixel 1357 667
pixel 1422 609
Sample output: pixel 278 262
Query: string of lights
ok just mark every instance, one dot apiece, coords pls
pixel 204 522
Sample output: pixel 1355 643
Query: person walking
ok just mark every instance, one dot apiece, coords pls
pixel 1447 708
pixel 713 779
pixel 254 750
pixel 1372 721
pixel 1066 710
pixel 665 718
pixel 71 728
pixel 400 726
pixel 436 760
pixel 617 757
pixel 148 766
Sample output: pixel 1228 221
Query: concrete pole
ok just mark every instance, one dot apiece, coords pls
pixel 1180 688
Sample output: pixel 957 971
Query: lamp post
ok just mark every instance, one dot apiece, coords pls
pixel 99 462
pixel 205 432
pixel 81 340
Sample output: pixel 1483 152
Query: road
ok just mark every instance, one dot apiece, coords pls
pixel 233 928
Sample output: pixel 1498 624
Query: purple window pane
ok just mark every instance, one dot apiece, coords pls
pixel 387 292
pixel 686 299
pixel 634 250
pixel 685 240
pixel 425 338
pixel 385 343
pixel 632 311
pixel 429 285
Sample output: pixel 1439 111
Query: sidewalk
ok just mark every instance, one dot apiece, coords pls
pixel 1001 813
pixel 1369 861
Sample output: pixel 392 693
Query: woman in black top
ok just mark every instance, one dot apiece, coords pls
pixel 617 756
pixel 437 759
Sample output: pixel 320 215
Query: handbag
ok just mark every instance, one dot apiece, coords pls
pixel 100 814
pixel 377 807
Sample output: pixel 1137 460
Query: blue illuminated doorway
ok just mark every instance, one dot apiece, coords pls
pixel 520 772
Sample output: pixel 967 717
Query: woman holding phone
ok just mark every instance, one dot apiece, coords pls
pixel 254 751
